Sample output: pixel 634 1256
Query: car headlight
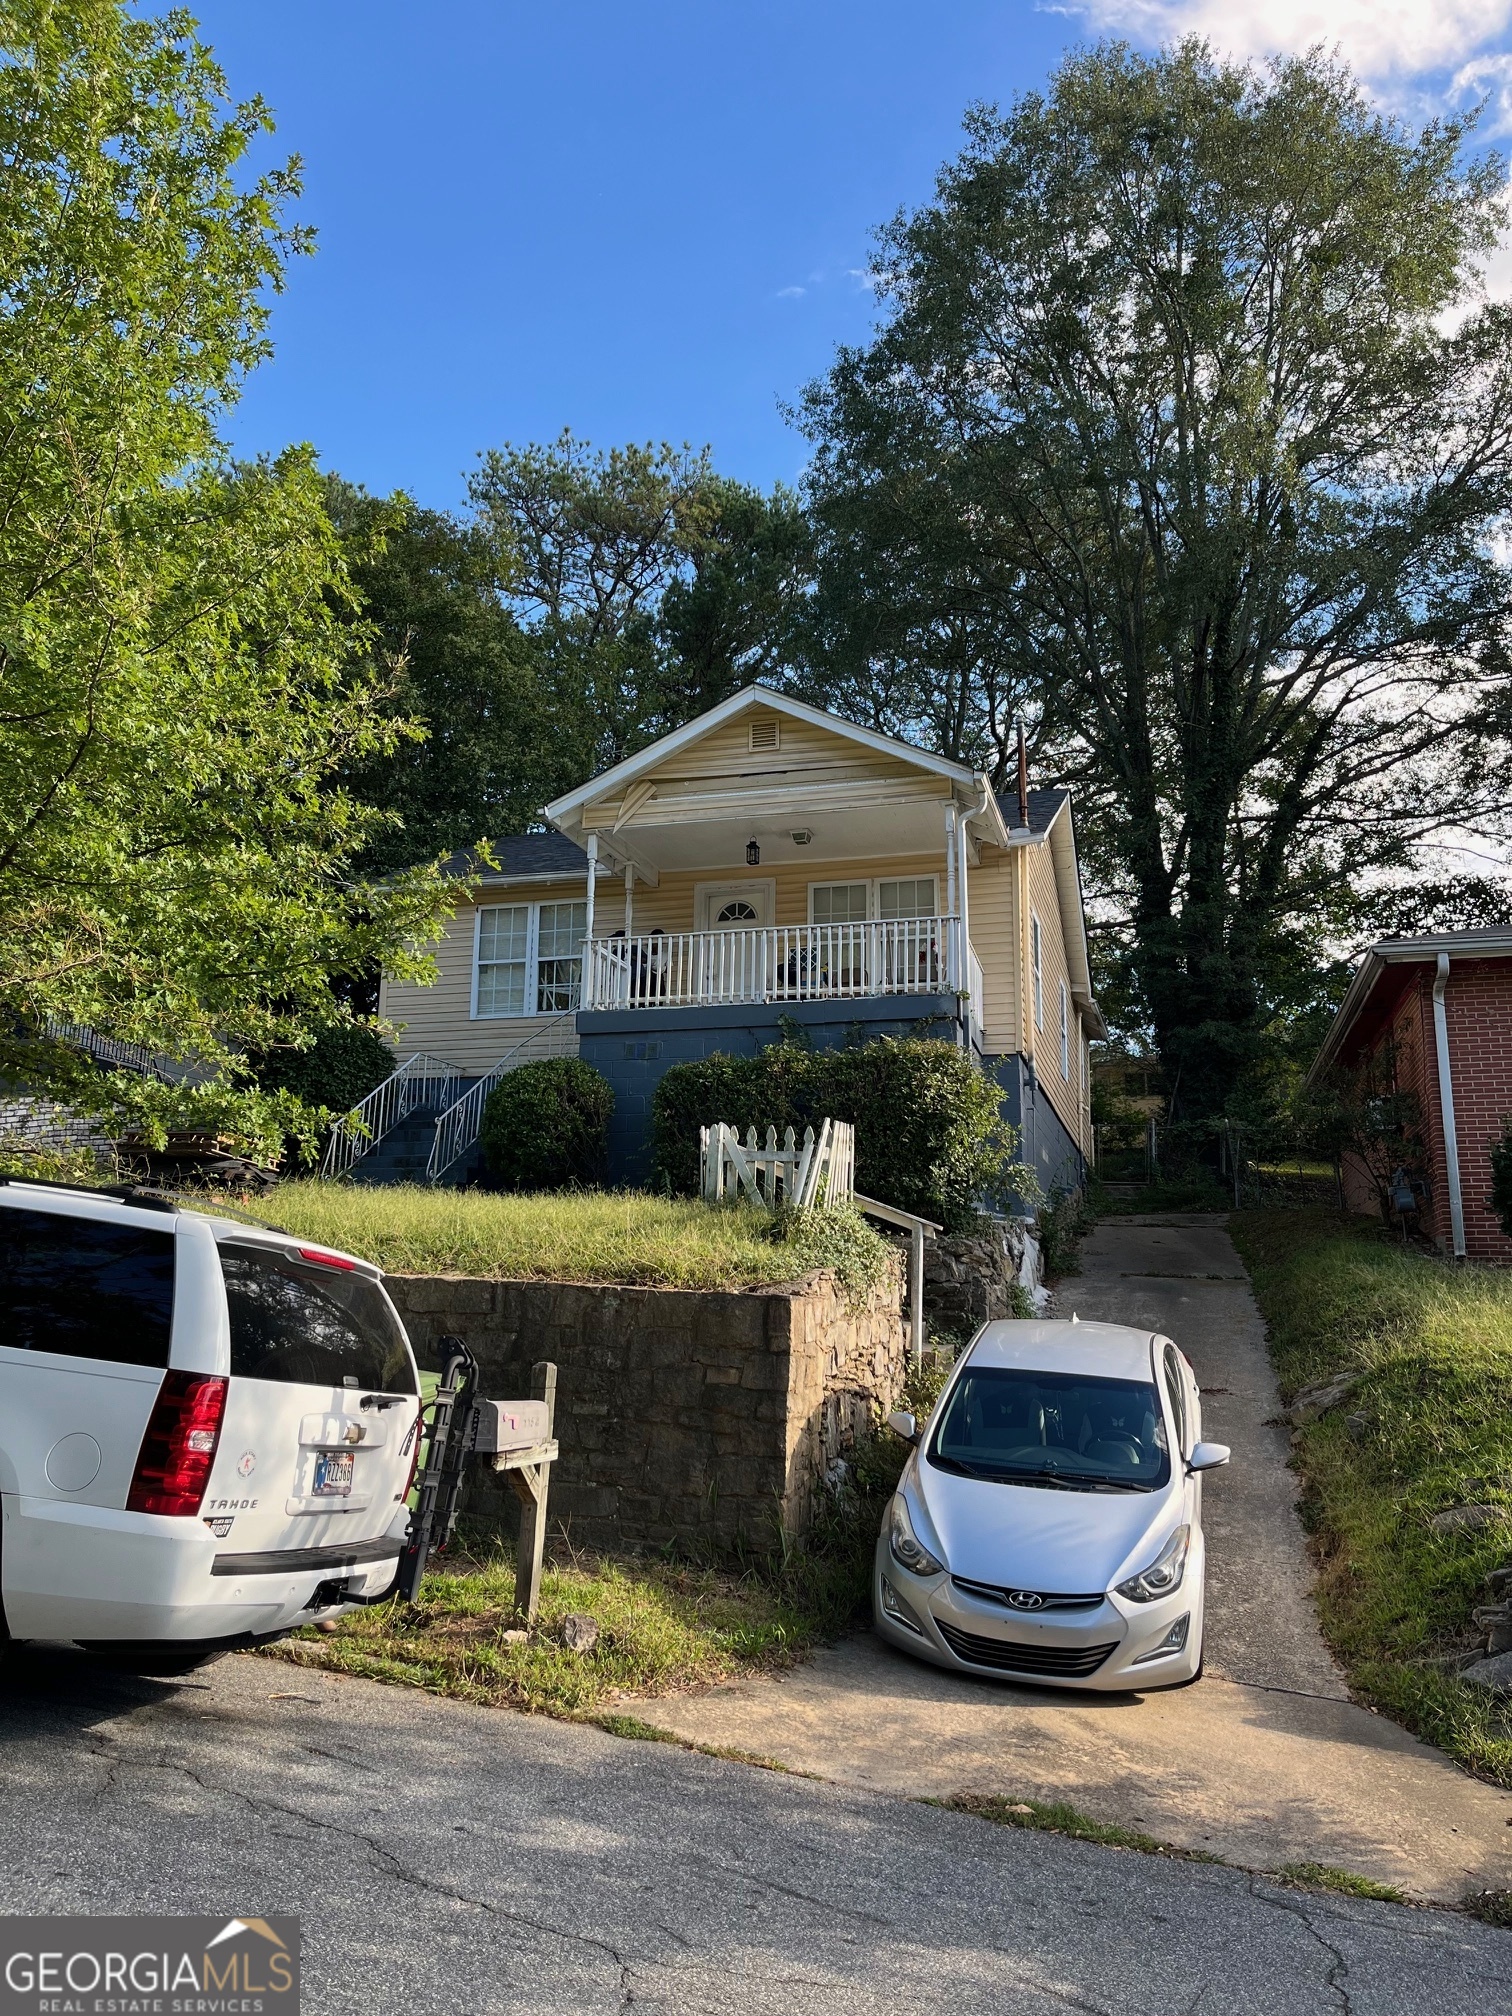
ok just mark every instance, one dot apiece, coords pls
pixel 907 1549
pixel 1164 1572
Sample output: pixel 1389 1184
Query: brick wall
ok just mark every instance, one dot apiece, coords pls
pixel 1478 1011
pixel 1478 1017
pixel 684 1418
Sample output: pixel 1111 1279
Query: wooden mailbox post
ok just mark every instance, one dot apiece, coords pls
pixel 520 1436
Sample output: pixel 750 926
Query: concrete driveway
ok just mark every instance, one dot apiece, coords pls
pixel 1265 1761
pixel 449 1859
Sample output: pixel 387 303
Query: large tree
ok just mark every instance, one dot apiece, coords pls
pixel 649 586
pixel 176 695
pixel 1187 429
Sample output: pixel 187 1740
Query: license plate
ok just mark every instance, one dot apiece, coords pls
pixel 333 1476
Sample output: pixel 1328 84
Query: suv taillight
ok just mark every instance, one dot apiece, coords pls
pixel 178 1448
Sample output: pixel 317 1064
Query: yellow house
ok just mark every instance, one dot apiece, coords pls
pixel 766 865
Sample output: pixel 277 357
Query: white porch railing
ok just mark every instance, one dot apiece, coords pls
pixel 461 1123
pixel 420 1081
pixel 782 962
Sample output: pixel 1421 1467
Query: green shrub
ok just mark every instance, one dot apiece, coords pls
pixel 1063 1223
pixel 836 1236
pixel 546 1125
pixel 338 1070
pixel 930 1136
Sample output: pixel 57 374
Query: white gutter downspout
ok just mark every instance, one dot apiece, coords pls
pixel 1446 1109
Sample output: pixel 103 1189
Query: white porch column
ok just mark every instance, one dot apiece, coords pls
pixel 585 988
pixel 629 899
pixel 950 859
pixel 963 846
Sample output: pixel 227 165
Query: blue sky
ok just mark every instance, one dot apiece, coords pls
pixel 650 222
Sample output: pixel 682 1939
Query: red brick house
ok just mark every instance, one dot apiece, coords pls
pixel 1435 1015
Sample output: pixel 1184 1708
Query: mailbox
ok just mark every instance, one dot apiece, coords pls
pixel 499 1426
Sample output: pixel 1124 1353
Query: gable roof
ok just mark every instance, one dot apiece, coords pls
pixel 622 774
pixel 1487 942
pixel 1045 805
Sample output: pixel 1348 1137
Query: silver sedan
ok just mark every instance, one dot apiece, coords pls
pixel 1048 1524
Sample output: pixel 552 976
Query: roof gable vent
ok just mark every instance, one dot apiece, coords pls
pixel 765 732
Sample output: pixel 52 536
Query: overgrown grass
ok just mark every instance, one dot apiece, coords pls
pixel 1428 1427
pixel 663 1625
pixel 611 1236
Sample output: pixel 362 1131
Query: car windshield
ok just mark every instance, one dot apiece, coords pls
pixel 1053 1428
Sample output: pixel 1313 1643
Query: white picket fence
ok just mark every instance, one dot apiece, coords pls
pixel 803 1173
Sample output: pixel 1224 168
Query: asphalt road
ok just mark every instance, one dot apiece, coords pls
pixel 448 1859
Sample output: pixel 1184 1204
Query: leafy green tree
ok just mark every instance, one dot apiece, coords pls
pixel 453 659
pixel 176 696
pixel 1214 432
pixel 650 588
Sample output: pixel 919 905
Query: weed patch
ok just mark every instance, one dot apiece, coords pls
pixel 1057 1817
pixel 1342 1882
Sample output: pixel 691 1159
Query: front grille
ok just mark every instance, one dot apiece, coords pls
pixel 1044 1599
pixel 1005 1655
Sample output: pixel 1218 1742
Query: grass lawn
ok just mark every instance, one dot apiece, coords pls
pixel 611 1236
pixel 1428 1427
pixel 663 1624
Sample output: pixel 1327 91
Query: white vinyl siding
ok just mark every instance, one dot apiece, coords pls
pixel 1037 969
pixel 529 959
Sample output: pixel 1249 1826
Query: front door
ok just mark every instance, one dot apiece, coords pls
pixel 734 958
pixel 735 906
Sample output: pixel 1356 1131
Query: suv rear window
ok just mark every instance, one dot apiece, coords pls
pixel 308 1325
pixel 85 1287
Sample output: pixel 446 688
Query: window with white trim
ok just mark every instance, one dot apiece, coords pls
pixel 529 958
pixel 838 902
pixel 855 902
pixel 912 898
pixel 1036 968
pixel 1065 1032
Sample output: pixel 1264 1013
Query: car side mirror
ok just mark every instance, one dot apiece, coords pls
pixel 903 1423
pixel 1208 1456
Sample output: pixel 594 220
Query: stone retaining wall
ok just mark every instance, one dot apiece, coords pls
pixel 969 1280
pixel 684 1418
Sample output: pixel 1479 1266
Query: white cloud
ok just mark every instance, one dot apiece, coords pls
pixel 1488 77
pixel 791 293
pixel 1382 39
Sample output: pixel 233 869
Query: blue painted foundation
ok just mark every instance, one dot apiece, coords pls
pixel 634 1047
pixel 1043 1141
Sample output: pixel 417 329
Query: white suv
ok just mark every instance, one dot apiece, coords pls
pixel 208 1431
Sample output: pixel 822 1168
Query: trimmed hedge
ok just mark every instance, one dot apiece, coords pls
pixel 546 1125
pixel 929 1134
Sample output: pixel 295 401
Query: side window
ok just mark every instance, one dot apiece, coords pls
pixel 1065 1032
pixel 87 1289
pixel 307 1325
pixel 1178 1395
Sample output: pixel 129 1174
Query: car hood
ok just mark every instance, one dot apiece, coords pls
pixel 1026 1536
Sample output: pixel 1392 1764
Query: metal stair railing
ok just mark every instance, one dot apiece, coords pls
pixel 421 1080
pixel 460 1125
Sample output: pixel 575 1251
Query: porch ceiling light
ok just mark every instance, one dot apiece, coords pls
pixel 753 854
pixel 802 837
